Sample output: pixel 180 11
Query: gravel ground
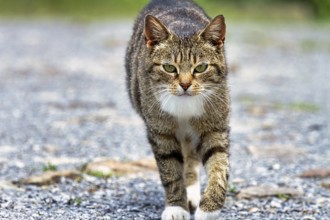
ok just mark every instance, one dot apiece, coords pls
pixel 63 102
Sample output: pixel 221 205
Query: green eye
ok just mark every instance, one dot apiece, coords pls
pixel 169 68
pixel 201 68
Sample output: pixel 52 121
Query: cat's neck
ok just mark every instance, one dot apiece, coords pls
pixel 183 108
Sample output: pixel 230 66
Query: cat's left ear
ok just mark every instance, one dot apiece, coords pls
pixel 215 31
pixel 154 31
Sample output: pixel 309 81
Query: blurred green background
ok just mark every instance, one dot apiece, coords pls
pixel 278 10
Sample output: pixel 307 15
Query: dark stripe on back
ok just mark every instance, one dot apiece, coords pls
pixel 213 151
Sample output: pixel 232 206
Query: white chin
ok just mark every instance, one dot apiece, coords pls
pixel 182 106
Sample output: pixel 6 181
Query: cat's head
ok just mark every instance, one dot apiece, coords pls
pixel 189 67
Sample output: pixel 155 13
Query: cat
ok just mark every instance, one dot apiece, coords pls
pixel 177 82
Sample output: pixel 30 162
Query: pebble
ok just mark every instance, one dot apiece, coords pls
pixel 276 166
pixel 275 204
pixel 254 209
pixel 308 218
pixel 238 180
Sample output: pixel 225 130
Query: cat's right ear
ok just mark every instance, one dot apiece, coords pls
pixel 154 31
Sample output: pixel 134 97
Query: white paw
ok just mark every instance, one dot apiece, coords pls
pixel 175 213
pixel 194 194
pixel 201 215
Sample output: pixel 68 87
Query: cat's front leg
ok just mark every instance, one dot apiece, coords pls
pixel 169 159
pixel 214 152
pixel 191 168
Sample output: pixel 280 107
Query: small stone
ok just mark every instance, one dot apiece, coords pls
pixel 313 137
pixel 276 166
pixel 257 110
pixel 315 127
pixel 238 180
pixel 261 170
pixel 7 149
pixel 326 184
pixel 268 124
pixel 239 205
pixel 275 204
pixel 308 217
pixel 51 148
pixel 322 200
pixel 271 210
pixel 253 209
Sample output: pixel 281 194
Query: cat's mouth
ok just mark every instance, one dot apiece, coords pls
pixel 185 93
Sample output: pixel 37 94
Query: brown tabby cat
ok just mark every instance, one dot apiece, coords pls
pixel 177 82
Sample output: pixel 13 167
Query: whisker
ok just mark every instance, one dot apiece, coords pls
pixel 212 98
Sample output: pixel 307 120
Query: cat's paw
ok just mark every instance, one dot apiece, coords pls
pixel 175 213
pixel 201 215
pixel 193 196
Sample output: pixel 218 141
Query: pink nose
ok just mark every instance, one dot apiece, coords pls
pixel 185 86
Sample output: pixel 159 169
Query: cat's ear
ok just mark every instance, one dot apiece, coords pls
pixel 215 31
pixel 154 31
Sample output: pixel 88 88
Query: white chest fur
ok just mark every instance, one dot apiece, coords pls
pixel 186 134
pixel 182 106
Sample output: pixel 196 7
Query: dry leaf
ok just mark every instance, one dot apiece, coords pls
pixel 8 185
pixel 119 168
pixel 280 151
pixel 316 173
pixel 49 177
pixel 265 191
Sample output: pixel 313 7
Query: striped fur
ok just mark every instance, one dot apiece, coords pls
pixel 186 112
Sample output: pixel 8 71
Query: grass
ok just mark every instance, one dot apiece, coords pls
pixel 49 167
pixel 70 9
pixel 75 201
pixel 261 11
pixel 314 45
pixel 284 197
pixel 99 174
pixel 297 106
pixel 291 106
pixel 232 189
pixel 247 100
pixel 87 10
